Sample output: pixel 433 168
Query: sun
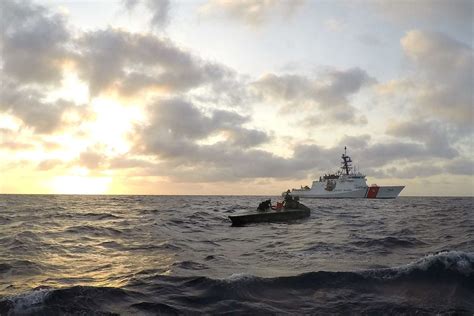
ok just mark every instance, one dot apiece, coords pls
pixel 80 184
pixel 112 123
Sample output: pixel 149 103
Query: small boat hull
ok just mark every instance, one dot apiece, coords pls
pixel 270 216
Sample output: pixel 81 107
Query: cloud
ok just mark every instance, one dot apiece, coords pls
pixel 159 10
pixel 410 172
pixel 460 166
pixel 176 144
pixel 168 146
pixel 245 138
pixel 381 154
pixel 176 125
pixel 337 86
pixel 36 43
pixel 123 162
pixel 49 164
pixel 334 25
pixel 28 105
pixel 91 159
pixel 370 154
pixel 181 119
pixel 129 63
pixel 252 12
pixel 130 4
pixel 370 39
pixel 15 146
pixel 329 93
pixel 33 42
pixel 446 68
pixel 438 94
pixel 177 153
pixel 433 134
pixel 223 162
pixel 394 87
pixel 455 14
pixel 285 87
pixel 366 153
pixel 10 140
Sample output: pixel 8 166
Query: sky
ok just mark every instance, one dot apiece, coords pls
pixel 234 97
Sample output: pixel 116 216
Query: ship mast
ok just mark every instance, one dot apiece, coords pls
pixel 346 161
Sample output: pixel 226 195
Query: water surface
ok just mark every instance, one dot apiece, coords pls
pixel 178 254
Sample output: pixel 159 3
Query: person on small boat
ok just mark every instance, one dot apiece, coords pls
pixel 278 206
pixel 264 206
pixel 293 202
pixel 290 202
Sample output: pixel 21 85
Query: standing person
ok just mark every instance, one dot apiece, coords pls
pixel 290 202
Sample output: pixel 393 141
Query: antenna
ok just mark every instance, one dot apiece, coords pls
pixel 346 161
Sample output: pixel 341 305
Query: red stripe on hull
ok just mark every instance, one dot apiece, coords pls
pixel 372 193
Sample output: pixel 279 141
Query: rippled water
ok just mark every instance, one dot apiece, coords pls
pixel 178 254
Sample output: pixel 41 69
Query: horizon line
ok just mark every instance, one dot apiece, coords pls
pixel 127 194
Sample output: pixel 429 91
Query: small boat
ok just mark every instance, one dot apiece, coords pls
pixel 284 215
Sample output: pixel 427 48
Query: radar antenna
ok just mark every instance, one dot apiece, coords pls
pixel 346 162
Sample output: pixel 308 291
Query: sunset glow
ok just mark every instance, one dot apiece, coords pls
pixel 217 97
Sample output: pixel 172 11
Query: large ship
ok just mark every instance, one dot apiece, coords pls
pixel 346 183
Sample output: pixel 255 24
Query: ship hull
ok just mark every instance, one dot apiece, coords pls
pixel 388 192
pixel 385 192
pixel 269 217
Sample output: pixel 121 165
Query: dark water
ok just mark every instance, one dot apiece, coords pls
pixel 179 255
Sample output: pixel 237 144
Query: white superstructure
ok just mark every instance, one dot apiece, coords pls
pixel 345 184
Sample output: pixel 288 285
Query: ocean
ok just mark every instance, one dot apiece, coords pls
pixel 174 255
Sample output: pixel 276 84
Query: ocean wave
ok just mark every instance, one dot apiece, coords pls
pixel 147 247
pixel 156 308
pixel 151 211
pixel 448 263
pixel 20 267
pixel 4 220
pixel 93 230
pixel 97 216
pixel 389 242
pixel 438 283
pixel 76 300
pixel 190 265
pixel 24 303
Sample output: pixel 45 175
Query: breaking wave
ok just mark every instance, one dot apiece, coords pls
pixel 441 283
